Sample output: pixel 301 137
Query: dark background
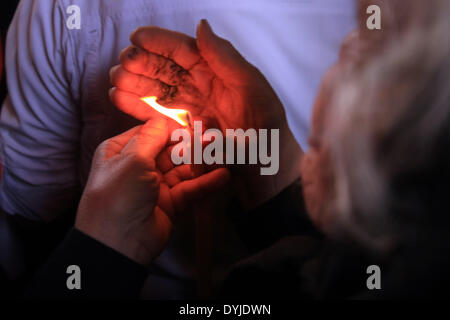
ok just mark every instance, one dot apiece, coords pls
pixel 7 12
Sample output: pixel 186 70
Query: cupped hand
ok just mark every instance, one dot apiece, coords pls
pixel 212 80
pixel 129 203
pixel 206 75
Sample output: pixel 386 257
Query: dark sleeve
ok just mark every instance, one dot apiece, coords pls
pixel 104 272
pixel 284 215
pixel 285 270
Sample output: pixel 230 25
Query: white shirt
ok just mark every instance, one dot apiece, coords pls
pixel 58 109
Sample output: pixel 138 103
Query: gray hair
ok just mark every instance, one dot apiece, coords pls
pixel 388 134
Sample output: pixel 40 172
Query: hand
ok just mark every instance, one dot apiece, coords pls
pixel 317 169
pixel 210 78
pixel 213 81
pixel 128 203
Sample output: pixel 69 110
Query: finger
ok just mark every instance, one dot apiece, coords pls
pixel 165 202
pixel 178 147
pixel 123 138
pixel 132 104
pixel 114 145
pixel 178 174
pixel 178 47
pixel 188 191
pixel 226 62
pixel 164 161
pixel 149 140
pixel 152 65
pixel 139 84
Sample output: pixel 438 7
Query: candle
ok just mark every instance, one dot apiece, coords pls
pixel 203 223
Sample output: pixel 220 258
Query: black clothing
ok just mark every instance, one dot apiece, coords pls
pixel 292 260
pixel 105 273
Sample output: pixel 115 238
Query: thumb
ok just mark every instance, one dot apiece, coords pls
pixel 225 61
pixel 150 139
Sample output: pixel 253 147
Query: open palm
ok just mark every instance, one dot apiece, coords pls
pixel 206 75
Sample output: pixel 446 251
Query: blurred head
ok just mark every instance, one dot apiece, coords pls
pixel 378 168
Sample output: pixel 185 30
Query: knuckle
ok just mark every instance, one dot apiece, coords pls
pixel 129 53
pixel 132 52
pixel 103 146
pixel 228 44
pixel 101 150
pixel 153 179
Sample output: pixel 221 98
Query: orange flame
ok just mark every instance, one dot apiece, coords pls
pixel 181 116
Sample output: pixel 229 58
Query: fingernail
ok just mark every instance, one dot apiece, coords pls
pixel 206 25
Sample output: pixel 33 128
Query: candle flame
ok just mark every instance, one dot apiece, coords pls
pixel 181 116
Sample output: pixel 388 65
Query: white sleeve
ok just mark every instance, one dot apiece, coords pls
pixel 40 118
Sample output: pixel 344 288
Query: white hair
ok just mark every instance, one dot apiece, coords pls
pixel 388 128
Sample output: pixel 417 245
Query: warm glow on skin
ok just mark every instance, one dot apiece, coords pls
pixel 179 115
